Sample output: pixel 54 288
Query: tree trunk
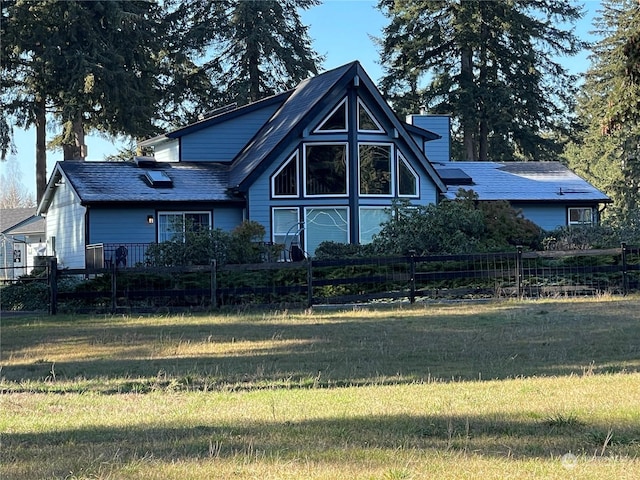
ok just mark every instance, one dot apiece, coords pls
pixel 483 127
pixel 75 148
pixel 468 122
pixel 41 149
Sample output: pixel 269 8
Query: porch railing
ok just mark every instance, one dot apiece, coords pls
pixel 120 255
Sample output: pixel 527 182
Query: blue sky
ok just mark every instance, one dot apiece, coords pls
pixel 339 29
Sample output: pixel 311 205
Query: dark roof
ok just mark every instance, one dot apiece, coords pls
pixel 426 134
pixel 524 182
pixel 289 119
pixel 96 182
pixel 307 94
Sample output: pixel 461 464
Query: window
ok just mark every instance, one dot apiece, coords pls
pixel 285 225
pixel 375 169
pixel 371 220
pixel 325 169
pixel 284 182
pixel 581 216
pixel 408 180
pixel 366 121
pixel 325 224
pixel 173 225
pixel 336 121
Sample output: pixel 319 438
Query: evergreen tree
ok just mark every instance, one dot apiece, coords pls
pixel 260 47
pixel 607 146
pixel 115 67
pixel 491 64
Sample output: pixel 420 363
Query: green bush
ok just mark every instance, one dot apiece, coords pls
pixel 332 250
pixel 200 246
pixel 26 294
pixel 449 227
pixel 582 237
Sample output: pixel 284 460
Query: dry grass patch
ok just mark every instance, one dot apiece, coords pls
pixel 544 389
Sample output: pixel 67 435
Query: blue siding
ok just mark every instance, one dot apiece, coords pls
pixel 227 218
pixel 118 225
pixel 547 217
pixel 223 141
pixel 436 150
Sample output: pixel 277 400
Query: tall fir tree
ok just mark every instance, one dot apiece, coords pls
pixel 492 65
pixel 110 66
pixel 607 146
pixel 259 48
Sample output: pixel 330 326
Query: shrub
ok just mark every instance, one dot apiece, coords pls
pixel 453 226
pixel 332 250
pixel 582 237
pixel 26 294
pixel 199 247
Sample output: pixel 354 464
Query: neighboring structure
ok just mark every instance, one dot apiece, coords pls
pixel 320 162
pixel 22 241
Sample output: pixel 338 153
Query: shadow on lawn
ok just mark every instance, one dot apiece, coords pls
pixel 502 437
pixel 521 340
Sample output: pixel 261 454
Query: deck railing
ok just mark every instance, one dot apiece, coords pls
pixel 120 255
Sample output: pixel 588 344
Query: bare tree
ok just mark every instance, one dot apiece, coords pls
pixel 13 194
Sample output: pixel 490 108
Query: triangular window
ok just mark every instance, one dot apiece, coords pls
pixel 408 180
pixel 284 182
pixel 336 121
pixel 366 121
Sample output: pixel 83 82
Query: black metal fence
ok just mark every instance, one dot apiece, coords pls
pixel 514 274
pixel 122 255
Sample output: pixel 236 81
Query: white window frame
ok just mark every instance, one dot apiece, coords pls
pixel 570 209
pixel 392 180
pixel 370 207
pixel 327 117
pixel 371 115
pixel 344 208
pixel 304 168
pixel 295 158
pixel 183 213
pixel 402 159
pixel 296 232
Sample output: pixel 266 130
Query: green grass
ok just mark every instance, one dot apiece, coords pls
pixel 544 389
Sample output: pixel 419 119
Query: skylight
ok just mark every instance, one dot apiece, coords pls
pixel 158 178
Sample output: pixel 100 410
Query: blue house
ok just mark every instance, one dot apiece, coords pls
pixel 320 162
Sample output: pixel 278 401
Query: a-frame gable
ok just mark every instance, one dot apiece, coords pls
pixel 305 103
pixel 291 120
pixel 399 127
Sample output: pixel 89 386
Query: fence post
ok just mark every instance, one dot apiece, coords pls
pixel 625 279
pixel 519 271
pixel 309 283
pixel 53 286
pixel 114 287
pixel 214 284
pixel 412 276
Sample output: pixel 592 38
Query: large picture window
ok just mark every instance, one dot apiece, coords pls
pixel 325 224
pixel 325 169
pixel 173 225
pixel 371 220
pixel 375 168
